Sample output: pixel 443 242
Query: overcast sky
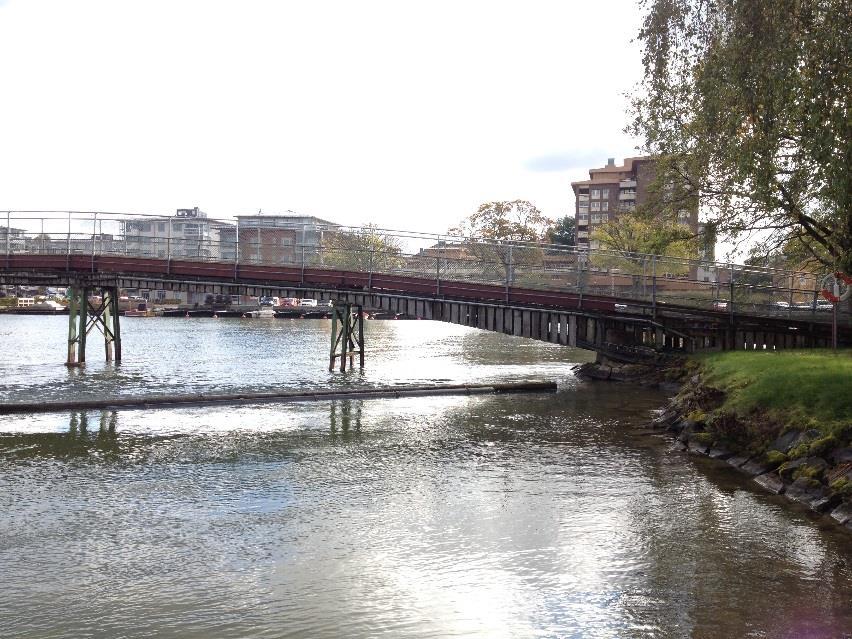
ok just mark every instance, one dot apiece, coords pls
pixel 407 114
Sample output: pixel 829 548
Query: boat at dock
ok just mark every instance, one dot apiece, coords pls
pixel 261 313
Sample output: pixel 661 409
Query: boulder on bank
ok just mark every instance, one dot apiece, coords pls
pixel 843 513
pixel 771 482
pixel 812 494
pixel 755 466
pixel 786 441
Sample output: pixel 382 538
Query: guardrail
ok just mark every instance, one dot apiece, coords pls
pixel 649 279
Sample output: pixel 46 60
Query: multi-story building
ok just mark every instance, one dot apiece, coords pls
pixel 11 239
pixel 186 234
pixel 612 190
pixel 280 239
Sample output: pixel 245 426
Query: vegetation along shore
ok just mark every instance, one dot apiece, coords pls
pixel 782 417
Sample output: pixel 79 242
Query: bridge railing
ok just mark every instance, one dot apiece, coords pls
pixel 649 279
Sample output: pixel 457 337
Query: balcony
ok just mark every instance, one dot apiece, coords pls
pixel 627 184
pixel 583 198
pixel 582 234
pixel 627 195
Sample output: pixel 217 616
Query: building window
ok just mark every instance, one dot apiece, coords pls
pixel 604 217
pixel 605 205
pixel 605 194
pixel 584 218
pixel 596 218
pixel 596 206
pixel 583 209
pixel 161 227
pixel 596 194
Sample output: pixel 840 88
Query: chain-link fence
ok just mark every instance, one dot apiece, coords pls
pixel 270 241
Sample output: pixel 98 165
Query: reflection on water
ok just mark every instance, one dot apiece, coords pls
pixel 484 516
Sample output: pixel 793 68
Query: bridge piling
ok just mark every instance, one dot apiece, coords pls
pixel 83 317
pixel 349 340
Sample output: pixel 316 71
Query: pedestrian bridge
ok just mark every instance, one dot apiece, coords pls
pixel 628 307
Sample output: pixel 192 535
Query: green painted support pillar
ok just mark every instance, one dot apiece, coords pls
pixel 332 355
pixel 78 311
pixel 347 335
pixel 73 313
pixel 109 324
pixel 82 317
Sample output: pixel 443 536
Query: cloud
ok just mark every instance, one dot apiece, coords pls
pixel 566 160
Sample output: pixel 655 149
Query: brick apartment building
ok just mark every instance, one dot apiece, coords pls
pixel 612 190
pixel 280 239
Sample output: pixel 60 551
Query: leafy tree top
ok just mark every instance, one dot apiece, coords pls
pixel 513 221
pixel 749 103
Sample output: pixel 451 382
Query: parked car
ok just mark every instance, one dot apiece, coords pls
pixel 720 305
pixel 289 301
pixel 270 301
pixel 308 302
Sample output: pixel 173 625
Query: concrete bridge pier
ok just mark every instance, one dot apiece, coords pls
pixel 83 316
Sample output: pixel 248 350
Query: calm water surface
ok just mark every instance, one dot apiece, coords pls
pixel 489 516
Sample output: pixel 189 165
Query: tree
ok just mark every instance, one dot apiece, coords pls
pixel 631 236
pixel 505 233
pixel 564 232
pixel 747 103
pixel 362 249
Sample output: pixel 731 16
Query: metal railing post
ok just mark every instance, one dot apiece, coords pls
pixel 94 235
pixel 68 247
pixel 370 271
pixel 438 274
pixel 8 236
pixel 169 247
pixel 816 297
pixel 731 309
pixel 654 286
pixel 509 273
pixel 302 276
pixel 237 250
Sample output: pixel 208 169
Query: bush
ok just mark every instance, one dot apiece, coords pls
pixel 698 416
pixel 842 486
pixel 703 438
pixel 822 445
pixel 775 458
pixel 801 450
pixel 811 472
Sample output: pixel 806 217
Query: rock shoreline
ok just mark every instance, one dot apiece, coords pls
pixel 800 465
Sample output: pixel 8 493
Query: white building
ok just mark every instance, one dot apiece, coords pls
pixel 187 234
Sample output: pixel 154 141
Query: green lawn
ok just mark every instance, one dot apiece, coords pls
pixel 806 388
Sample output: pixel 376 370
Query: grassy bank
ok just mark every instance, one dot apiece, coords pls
pixel 802 389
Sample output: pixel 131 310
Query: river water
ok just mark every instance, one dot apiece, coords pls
pixel 546 515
